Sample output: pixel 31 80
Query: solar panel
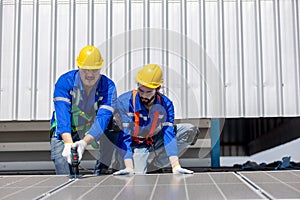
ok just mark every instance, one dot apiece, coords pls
pixel 277 184
pixel 206 185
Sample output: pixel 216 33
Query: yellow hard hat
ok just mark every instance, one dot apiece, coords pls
pixel 89 58
pixel 150 76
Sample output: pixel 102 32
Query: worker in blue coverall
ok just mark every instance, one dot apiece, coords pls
pixel 148 127
pixel 84 102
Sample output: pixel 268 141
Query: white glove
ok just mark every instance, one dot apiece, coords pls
pixel 67 152
pixel 81 145
pixel 124 171
pixel 179 170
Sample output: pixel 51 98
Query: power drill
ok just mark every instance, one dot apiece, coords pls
pixel 75 162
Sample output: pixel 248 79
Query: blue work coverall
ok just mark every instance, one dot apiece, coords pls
pixel 78 113
pixel 166 140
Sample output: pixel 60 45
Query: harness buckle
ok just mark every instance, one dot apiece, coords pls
pixel 141 140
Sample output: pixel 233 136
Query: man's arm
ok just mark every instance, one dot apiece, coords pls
pixel 62 105
pixel 170 142
pixel 124 109
pixel 67 138
pixel 104 113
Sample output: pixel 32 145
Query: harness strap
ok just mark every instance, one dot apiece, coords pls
pixel 136 116
pixel 76 112
pixel 136 138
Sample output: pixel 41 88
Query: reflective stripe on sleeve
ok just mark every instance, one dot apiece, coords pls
pixel 167 124
pixel 145 118
pixel 62 99
pixel 107 107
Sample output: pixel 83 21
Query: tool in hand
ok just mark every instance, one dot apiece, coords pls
pixel 75 162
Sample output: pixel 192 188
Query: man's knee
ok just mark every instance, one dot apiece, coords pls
pixel 189 132
pixel 193 134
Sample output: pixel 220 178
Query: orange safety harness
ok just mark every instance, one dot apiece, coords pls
pixel 148 140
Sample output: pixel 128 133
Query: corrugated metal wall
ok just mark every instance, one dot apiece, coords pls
pixel 220 58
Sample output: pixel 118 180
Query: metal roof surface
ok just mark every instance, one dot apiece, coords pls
pixel 209 185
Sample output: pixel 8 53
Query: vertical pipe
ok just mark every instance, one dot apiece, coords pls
pixel 147 32
pixel 201 50
pixel 144 30
pixel 277 41
pixel 221 54
pixel 163 39
pixel 35 52
pixel 166 47
pixel 259 61
pixel 110 37
pixel 297 51
pixel 72 33
pixel 202 35
pixel 184 78
pixel 146 35
pixel 1 23
pixel 91 22
pixel 17 24
pixel 53 46
pixel 186 59
pixel 240 47
pixel 109 32
pixel 128 43
pixel 215 143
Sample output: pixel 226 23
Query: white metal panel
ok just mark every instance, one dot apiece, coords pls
pixel 136 51
pixel 290 94
pixel 24 65
pixel 100 29
pixel 215 102
pixel 7 61
pixel 232 62
pixel 220 58
pixel 176 86
pixel 194 76
pixel 43 66
pixel 119 46
pixel 62 38
pixel 251 59
pixel 80 20
pixel 270 63
pixel 296 20
pixel 157 39
pixel 99 23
